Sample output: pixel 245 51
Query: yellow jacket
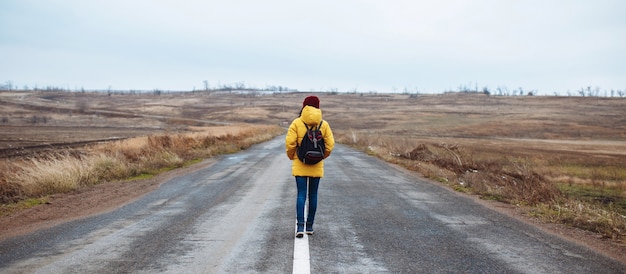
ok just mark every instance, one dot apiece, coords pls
pixel 311 116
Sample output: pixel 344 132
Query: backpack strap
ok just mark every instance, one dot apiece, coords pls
pixel 318 126
pixel 305 125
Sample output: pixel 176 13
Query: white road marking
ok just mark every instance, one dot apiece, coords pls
pixel 301 258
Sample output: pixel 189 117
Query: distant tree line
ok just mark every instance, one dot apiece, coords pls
pixel 241 87
pixel 504 91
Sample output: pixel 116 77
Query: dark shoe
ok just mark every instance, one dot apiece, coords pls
pixel 300 231
pixel 309 228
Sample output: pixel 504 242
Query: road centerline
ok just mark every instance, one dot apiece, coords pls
pixel 301 258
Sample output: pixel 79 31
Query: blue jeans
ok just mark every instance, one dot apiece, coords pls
pixel 313 184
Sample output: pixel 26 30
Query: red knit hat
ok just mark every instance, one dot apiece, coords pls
pixel 311 101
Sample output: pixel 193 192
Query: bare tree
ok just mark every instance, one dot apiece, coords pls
pixel 8 85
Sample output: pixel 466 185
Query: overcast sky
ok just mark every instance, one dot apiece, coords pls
pixel 368 45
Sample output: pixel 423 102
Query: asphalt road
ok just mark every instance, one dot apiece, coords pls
pixel 238 216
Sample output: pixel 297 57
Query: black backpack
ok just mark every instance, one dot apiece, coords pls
pixel 311 149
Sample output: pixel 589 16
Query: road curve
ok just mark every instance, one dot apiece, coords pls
pixel 238 216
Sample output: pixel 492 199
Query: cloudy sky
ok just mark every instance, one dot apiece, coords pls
pixel 548 46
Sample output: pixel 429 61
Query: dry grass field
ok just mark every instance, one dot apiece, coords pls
pixel 559 159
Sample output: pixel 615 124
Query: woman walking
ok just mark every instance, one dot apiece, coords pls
pixel 307 175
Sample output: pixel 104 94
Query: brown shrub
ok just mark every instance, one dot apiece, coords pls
pixel 421 153
pixel 517 186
